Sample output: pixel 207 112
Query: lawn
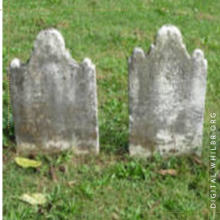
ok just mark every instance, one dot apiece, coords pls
pixel 111 185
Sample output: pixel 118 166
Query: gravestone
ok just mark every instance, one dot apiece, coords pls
pixel 166 97
pixel 54 99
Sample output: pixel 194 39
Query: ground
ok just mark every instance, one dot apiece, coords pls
pixel 111 185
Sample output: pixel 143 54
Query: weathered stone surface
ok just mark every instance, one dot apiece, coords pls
pixel 54 99
pixel 166 97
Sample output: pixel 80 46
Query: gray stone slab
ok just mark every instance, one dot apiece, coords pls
pixel 167 90
pixel 54 99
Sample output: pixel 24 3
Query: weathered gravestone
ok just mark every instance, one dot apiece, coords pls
pixel 54 99
pixel 166 97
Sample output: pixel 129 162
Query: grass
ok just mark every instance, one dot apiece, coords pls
pixel 112 185
pixel 107 187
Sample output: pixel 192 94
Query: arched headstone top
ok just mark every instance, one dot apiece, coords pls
pixel 49 45
pixel 169 32
pixel 168 39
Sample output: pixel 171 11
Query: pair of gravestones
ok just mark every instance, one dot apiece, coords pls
pixel 54 99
